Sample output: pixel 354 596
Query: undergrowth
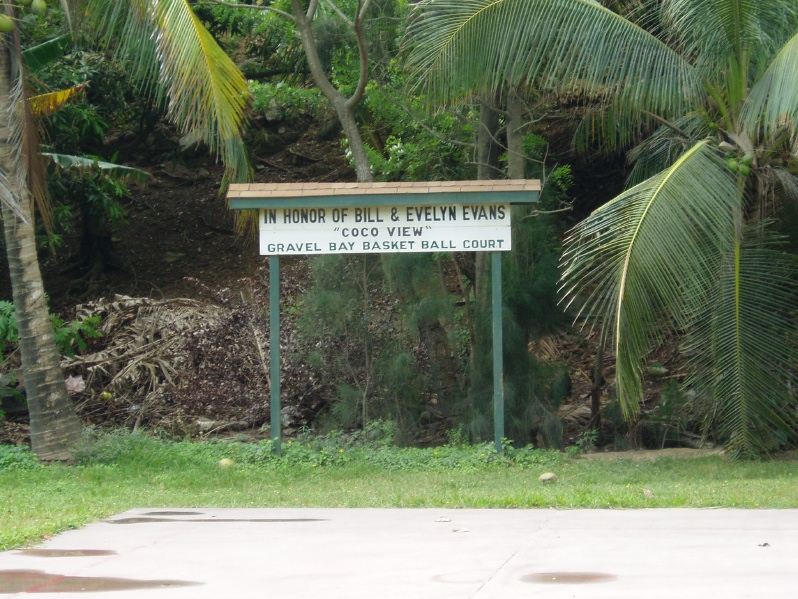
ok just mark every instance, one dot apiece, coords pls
pixel 370 448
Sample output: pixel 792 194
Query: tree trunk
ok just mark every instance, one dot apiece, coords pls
pixel 54 425
pixel 487 168
pixel 344 107
pixel 346 116
pixel 516 165
pixel 597 387
pixel 487 147
pixel 516 162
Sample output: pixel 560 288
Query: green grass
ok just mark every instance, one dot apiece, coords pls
pixel 120 471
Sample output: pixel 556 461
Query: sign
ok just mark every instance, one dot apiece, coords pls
pixel 375 229
pixel 372 217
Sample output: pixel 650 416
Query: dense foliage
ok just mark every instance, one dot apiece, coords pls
pixel 684 251
pixel 699 251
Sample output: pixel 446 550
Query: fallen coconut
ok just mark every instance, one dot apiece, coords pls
pixel 547 477
pixel 226 463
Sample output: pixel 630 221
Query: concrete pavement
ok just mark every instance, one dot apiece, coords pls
pixel 416 554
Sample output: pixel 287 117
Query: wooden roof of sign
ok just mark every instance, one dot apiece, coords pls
pixel 247 196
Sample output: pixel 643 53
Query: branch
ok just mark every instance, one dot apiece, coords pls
pixel 282 13
pixel 498 142
pixel 339 12
pixel 498 169
pixel 362 50
pixel 666 123
pixel 567 207
pixel 314 4
pixel 361 14
pixel 311 53
pixel 430 130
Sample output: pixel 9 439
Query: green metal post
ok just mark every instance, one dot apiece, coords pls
pixel 498 356
pixel 274 348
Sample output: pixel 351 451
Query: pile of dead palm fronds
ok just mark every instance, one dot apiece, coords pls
pixel 186 367
pixel 141 352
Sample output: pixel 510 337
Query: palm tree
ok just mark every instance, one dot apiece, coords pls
pixel 178 63
pixel 691 246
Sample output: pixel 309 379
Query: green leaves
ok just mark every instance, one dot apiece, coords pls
pixel 115 170
pixel 575 47
pixel 772 102
pixel 69 336
pixel 713 31
pixel 207 93
pixel 677 251
pixel 39 56
pixel 176 59
pixel 673 255
pixel 645 257
pixel 742 346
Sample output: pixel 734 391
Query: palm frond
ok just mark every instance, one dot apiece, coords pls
pixel 572 46
pixel 610 128
pixel 772 102
pixel 24 181
pixel 636 258
pixel 742 344
pixel 207 92
pixel 126 28
pixel 787 185
pixel 117 170
pixel 47 104
pixel 711 31
pixel 171 51
pixel 37 57
pixel 663 147
pixel 13 181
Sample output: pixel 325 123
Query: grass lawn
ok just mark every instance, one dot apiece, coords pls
pixel 117 472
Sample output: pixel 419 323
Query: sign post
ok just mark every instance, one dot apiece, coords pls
pixel 498 354
pixel 274 351
pixel 356 218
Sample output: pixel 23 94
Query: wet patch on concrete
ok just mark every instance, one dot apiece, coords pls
pixel 144 520
pixel 568 577
pixel 37 581
pixel 66 552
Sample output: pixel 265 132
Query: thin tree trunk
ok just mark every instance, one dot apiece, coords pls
pixel 516 165
pixel 487 168
pixel 346 116
pixel 344 107
pixel 597 386
pixel 54 425
pixel 516 162
pixel 487 148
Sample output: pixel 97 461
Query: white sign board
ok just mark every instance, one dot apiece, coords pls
pixel 417 228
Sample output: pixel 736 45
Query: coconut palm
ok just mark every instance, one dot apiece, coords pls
pixel 178 63
pixel 691 247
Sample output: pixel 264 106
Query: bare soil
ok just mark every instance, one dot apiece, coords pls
pixel 179 227
pixel 648 455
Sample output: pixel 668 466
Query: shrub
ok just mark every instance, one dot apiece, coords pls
pixel 17 458
pixel 69 336
pixel 284 102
